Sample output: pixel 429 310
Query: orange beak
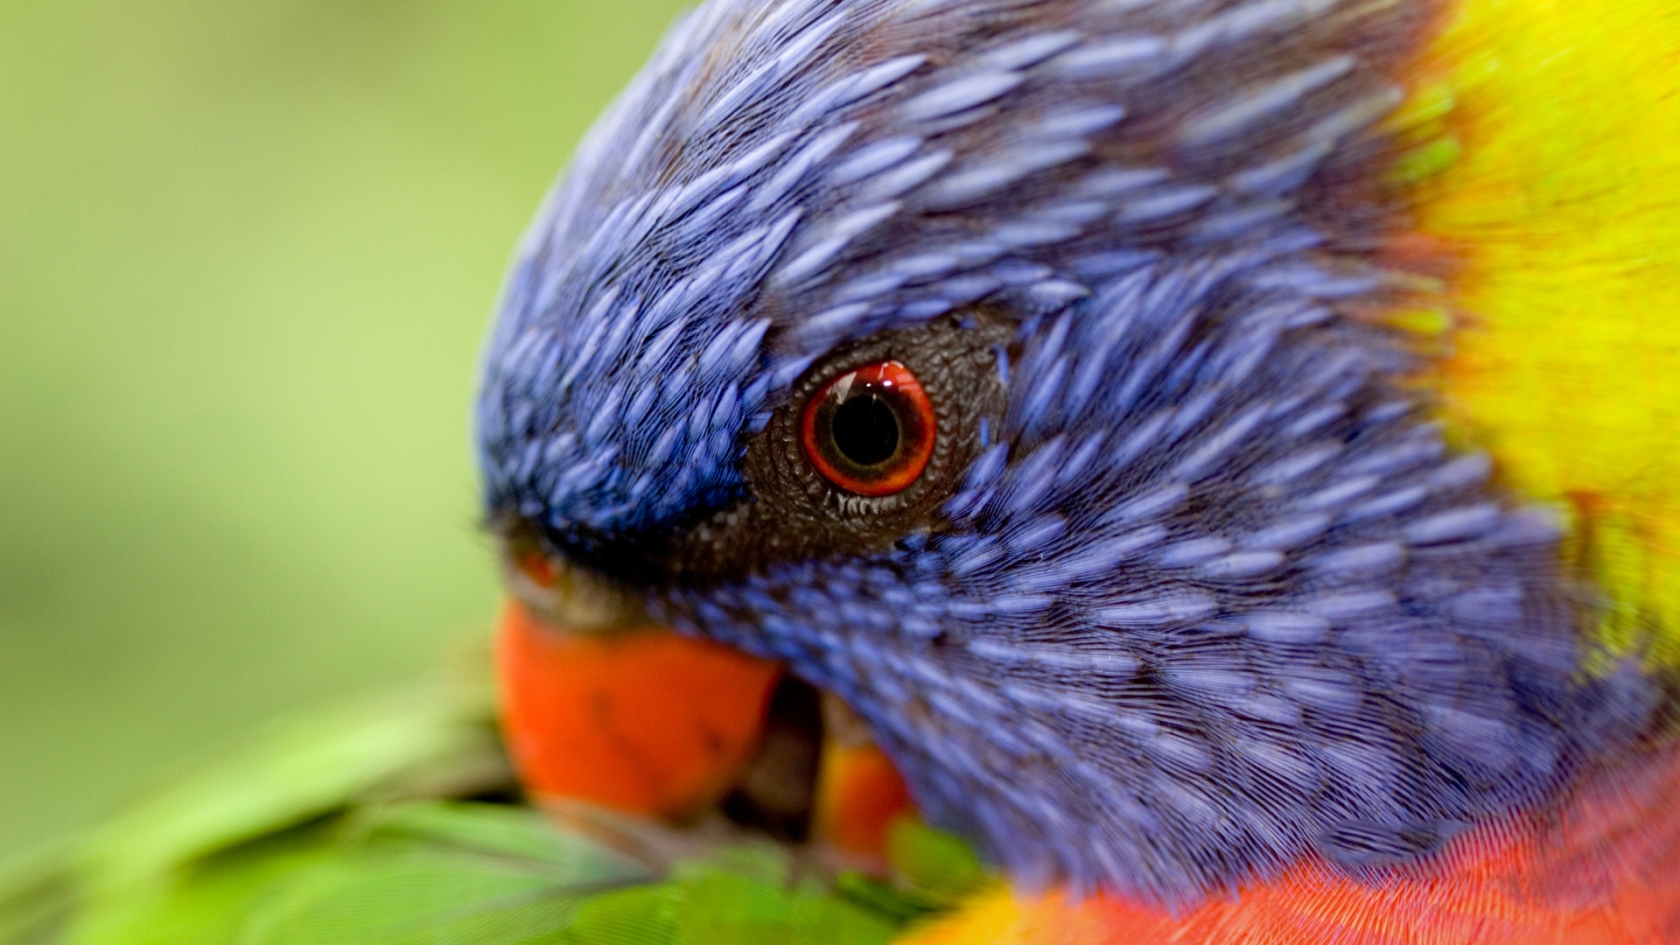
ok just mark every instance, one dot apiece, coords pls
pixel 643 721
pixel 859 795
pixel 648 722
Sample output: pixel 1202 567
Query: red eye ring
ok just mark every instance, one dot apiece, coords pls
pixel 871 430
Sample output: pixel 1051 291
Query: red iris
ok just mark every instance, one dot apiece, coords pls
pixel 870 431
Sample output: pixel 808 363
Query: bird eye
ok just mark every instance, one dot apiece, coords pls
pixel 870 431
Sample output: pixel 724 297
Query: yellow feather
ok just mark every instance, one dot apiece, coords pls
pixel 995 917
pixel 1549 161
pixel 1544 159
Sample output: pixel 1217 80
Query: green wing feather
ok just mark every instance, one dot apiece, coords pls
pixel 361 827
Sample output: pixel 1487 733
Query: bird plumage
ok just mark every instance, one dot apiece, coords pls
pixel 1295 562
pixel 1557 211
pixel 1597 867
pixel 1204 588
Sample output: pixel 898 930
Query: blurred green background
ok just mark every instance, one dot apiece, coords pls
pixel 247 253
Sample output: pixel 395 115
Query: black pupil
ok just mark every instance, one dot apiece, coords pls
pixel 865 430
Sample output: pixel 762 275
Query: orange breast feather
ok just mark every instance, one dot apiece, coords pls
pixel 1602 869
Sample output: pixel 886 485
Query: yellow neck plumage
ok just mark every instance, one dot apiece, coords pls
pixel 1545 153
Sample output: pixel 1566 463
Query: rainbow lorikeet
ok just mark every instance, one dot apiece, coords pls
pixel 1210 457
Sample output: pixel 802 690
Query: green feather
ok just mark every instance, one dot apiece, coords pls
pixel 935 867
pixel 353 828
pixel 417 743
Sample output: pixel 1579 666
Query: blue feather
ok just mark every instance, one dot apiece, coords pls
pixel 1212 594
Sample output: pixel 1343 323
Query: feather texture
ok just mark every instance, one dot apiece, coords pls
pixel 1220 593
pixel 1558 209
pixel 1604 870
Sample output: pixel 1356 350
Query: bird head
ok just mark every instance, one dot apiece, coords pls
pixel 1007 369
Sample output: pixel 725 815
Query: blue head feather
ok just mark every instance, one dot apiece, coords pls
pixel 1216 593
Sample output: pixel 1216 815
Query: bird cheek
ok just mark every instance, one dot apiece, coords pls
pixel 643 720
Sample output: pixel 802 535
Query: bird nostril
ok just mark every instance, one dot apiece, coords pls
pixel 564 597
pixel 534 564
